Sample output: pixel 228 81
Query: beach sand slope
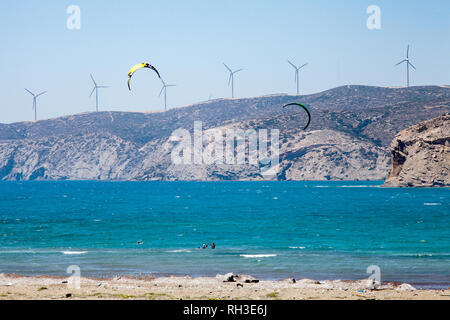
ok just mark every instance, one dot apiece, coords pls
pixel 16 287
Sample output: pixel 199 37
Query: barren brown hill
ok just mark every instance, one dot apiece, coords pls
pixel 348 139
pixel 421 155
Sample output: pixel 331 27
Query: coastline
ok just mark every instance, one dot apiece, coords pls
pixel 221 287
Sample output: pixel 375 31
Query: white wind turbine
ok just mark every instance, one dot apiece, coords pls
pixel 296 72
pixel 164 87
pixel 34 101
pixel 231 79
pixel 96 87
pixel 408 63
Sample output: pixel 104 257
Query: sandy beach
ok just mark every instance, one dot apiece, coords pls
pixel 16 287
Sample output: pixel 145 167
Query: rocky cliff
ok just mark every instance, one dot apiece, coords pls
pixel 348 138
pixel 421 155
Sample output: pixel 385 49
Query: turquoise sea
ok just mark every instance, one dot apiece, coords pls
pixel 272 230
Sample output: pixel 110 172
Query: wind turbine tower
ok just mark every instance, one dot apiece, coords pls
pixel 408 63
pixel 96 87
pixel 231 79
pixel 34 101
pixel 296 72
pixel 164 87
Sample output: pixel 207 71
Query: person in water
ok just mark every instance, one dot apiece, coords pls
pixel 140 242
pixel 204 246
pixel 213 245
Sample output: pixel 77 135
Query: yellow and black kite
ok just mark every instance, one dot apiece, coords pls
pixel 140 66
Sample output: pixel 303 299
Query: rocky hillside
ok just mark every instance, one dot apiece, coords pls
pixel 348 139
pixel 421 155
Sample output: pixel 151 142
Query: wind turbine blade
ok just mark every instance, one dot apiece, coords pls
pixel 407 52
pixel 161 90
pixel 293 65
pixel 92 92
pixel 412 65
pixel 40 94
pixel 171 85
pixel 29 92
pixel 303 66
pixel 227 67
pixel 401 62
pixel 102 86
pixel 238 70
pixel 95 83
pixel 229 79
pixel 163 82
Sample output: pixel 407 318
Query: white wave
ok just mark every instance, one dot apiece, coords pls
pixel 17 251
pixel 179 250
pixel 432 204
pixel 74 252
pixel 424 254
pixel 356 186
pixel 258 255
pixel 297 247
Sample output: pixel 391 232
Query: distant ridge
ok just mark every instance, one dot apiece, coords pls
pixel 348 139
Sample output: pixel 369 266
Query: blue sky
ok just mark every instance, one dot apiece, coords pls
pixel 188 41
